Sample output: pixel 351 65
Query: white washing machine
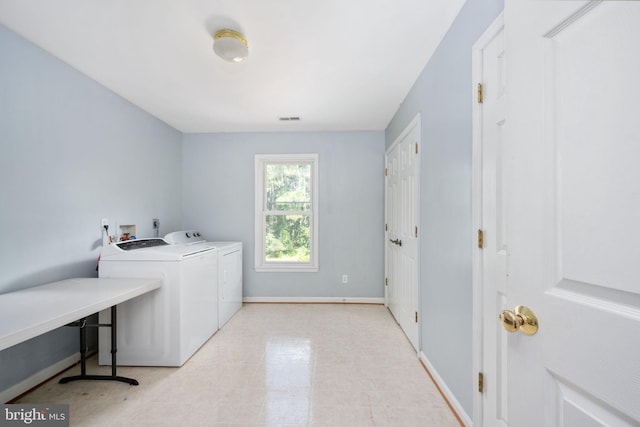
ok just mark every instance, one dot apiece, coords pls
pixel 166 327
pixel 229 270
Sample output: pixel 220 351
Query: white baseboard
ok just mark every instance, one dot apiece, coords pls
pixel 38 378
pixel 315 300
pixel 464 417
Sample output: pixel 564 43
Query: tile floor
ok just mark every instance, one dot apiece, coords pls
pixel 272 365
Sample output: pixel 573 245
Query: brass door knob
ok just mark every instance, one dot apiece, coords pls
pixel 522 318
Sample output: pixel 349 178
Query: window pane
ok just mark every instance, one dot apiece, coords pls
pixel 287 238
pixel 288 186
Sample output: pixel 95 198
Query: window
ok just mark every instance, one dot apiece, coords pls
pixel 286 212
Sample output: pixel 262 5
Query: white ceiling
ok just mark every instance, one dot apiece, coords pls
pixel 338 64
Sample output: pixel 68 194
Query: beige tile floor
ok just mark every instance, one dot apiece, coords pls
pixel 272 365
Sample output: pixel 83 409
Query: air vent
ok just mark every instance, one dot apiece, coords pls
pixel 290 119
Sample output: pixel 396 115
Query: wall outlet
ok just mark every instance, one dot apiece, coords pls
pixel 104 222
pixel 156 223
pixel 345 278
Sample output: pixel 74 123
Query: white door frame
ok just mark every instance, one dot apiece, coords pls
pixel 415 122
pixel 476 207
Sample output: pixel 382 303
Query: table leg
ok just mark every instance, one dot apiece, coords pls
pixel 83 354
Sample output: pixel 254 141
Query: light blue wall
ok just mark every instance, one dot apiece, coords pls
pixel 442 94
pixel 218 190
pixel 71 153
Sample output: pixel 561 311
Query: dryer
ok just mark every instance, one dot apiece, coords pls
pixel 167 327
pixel 230 291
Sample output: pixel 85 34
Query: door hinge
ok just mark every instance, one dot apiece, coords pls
pixel 480 382
pixel 386 281
pixel 386 227
pixel 416 317
pixel 386 171
pixel 480 94
pixel 416 148
pixel 416 231
pixel 480 239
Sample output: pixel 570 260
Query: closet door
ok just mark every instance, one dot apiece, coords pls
pixel 402 183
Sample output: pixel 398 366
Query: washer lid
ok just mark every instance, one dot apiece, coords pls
pixel 129 245
pixel 151 250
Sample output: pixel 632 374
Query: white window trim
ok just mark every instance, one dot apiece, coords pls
pixel 260 264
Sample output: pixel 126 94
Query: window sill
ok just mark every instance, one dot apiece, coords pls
pixel 287 268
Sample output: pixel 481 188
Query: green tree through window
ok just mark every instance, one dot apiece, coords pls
pixel 288 190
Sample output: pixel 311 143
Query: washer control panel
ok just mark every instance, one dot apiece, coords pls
pixel 182 237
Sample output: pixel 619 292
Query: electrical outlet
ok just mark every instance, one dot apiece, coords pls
pixel 156 223
pixel 104 222
pixel 345 278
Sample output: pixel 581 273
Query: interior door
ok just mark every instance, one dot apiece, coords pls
pixel 402 181
pixel 573 206
pixel 490 266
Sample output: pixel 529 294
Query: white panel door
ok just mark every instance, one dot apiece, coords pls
pixel 573 210
pixel 490 265
pixel 402 230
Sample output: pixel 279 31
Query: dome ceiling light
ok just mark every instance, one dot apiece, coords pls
pixel 230 45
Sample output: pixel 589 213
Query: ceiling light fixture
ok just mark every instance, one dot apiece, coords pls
pixel 230 45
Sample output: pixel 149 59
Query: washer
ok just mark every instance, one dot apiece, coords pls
pixel 167 327
pixel 229 270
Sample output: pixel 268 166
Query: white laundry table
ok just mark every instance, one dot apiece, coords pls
pixel 30 312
